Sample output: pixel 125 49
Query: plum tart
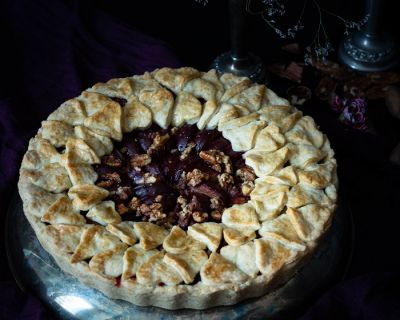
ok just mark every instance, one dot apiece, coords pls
pixel 179 188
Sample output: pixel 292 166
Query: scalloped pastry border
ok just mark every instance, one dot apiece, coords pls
pixel 256 121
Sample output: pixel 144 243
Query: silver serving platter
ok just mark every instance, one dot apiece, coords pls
pixel 35 271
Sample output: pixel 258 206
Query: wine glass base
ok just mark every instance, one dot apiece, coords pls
pixel 251 66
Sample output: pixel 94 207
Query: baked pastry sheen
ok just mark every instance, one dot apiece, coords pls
pixel 243 251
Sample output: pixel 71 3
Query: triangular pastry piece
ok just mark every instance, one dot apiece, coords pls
pixel 78 151
pixel 63 212
pixel 210 107
pixel 133 258
pixel 236 238
pixel 264 189
pixel 209 233
pixel 44 148
pixel 289 121
pixel 212 77
pixel 108 263
pixel 241 216
pixel 302 155
pixel 309 221
pixel 124 231
pixel 235 89
pixel 178 242
pixel 161 104
pixel 94 240
pixel 301 195
pixel 107 121
pixel 274 113
pixel 187 264
pixel 269 139
pixel 281 229
pixel 100 144
pixel 71 112
pixel 250 97
pixel 243 257
pixel 218 270
pixel 318 176
pixel 81 173
pixel 271 206
pixel 94 102
pixel 264 162
pixel 104 213
pixel 272 256
pixel 144 82
pixel 243 138
pixel 135 115
pixel 188 109
pixel 154 272
pixel 118 87
pixel 221 112
pixel 85 196
pixel 281 116
pixel 201 88
pixel 150 235
pixel 305 131
pixel 66 237
pixel 57 132
pixel 40 152
pixel 285 176
pixel 36 199
pixel 238 122
pixel 175 79
pixel 52 177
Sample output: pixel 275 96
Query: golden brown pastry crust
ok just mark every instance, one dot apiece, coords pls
pixel 257 245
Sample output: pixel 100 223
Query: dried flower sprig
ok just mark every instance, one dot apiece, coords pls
pixel 320 47
pixel 272 10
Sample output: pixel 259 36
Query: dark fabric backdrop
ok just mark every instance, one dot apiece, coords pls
pixel 52 50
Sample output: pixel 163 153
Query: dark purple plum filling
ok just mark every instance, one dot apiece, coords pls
pixel 162 181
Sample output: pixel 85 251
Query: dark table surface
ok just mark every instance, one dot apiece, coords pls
pixel 51 50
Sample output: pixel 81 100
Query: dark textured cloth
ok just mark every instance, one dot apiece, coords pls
pixel 52 50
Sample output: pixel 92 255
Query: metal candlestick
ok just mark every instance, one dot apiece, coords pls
pixel 369 49
pixel 239 61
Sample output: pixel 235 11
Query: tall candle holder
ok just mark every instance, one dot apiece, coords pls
pixel 239 61
pixel 369 49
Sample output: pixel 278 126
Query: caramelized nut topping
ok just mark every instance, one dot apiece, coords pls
pixel 246 173
pixel 135 203
pixel 216 158
pixel 153 212
pixel 187 150
pixel 200 216
pixel 113 176
pixel 195 177
pixel 146 179
pixel 112 161
pixel 140 160
pixel 123 192
pixel 224 180
pixel 158 142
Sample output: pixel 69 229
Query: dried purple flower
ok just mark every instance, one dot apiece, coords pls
pixel 338 103
pixel 354 113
